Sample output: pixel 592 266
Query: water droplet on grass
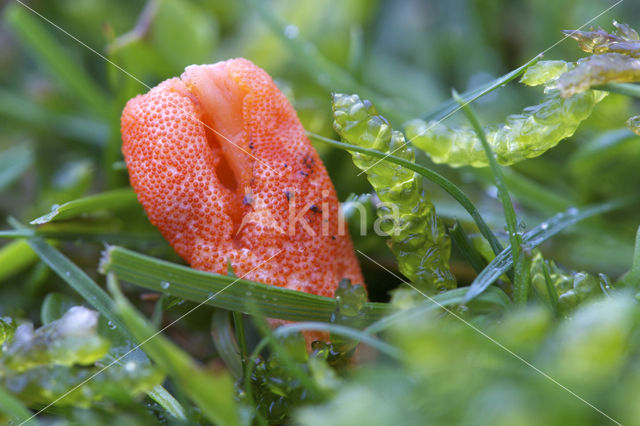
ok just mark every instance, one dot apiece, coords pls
pixel 165 284
pixel 291 31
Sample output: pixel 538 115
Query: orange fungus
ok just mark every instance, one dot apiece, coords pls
pixel 223 168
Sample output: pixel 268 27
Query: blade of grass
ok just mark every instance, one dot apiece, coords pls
pixel 213 393
pixel 632 278
pixel 13 408
pixel 503 195
pixel 523 278
pixel 48 52
pixel 504 261
pixel 96 297
pixel 109 200
pixel 462 241
pixel 14 257
pixel 225 342
pixel 553 295
pixel 13 163
pixel 341 330
pixel 444 183
pixel 627 89
pixel 116 237
pixel 493 297
pixel 194 285
pixel 16 108
pixel 452 105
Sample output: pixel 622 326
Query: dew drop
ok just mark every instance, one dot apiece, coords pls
pixel 544 226
pixel 165 284
pixel 291 31
pixel 572 211
pixel 210 295
pixel 111 325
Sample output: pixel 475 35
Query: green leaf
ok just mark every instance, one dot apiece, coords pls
pixel 222 291
pixel 529 134
pixel 54 306
pixel 597 70
pixel 47 51
pixel 632 278
pixel 493 297
pixel 632 90
pixel 213 393
pixel 14 257
pixel 434 177
pixel 111 200
pixel 18 109
pixel 225 342
pixel 505 199
pixel 466 248
pixel 13 163
pixel 543 72
pixel 13 408
pixel 504 261
pixel 418 238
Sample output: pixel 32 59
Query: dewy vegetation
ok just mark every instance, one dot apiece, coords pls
pixel 501 295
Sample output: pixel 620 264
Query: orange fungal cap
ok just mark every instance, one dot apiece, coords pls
pixel 223 168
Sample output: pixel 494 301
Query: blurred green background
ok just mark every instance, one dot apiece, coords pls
pixel 60 104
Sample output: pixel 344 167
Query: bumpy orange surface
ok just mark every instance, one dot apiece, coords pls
pixel 222 166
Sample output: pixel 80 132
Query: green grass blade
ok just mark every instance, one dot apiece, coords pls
pixel 47 51
pixel 632 278
pixel 109 200
pixel 462 241
pixel 14 257
pixel 213 393
pixel 444 183
pixel 493 296
pixel 197 286
pixel 11 407
pixel 449 107
pixel 98 235
pixel 13 163
pixel 225 342
pixel 504 261
pixel 343 331
pixel 168 402
pixel 551 290
pixel 503 195
pixel 25 112
pixel 627 89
